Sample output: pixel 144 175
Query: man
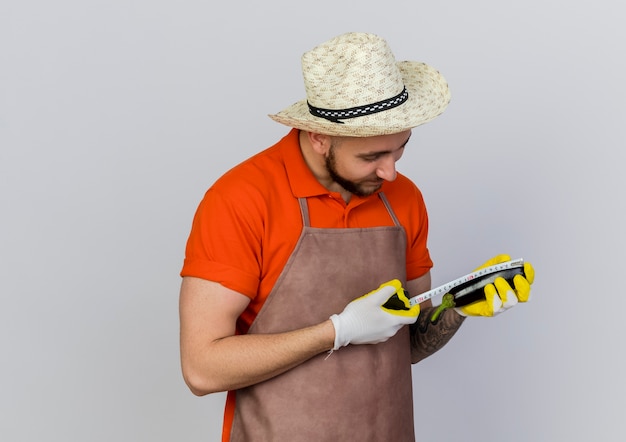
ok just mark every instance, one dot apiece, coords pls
pixel 284 246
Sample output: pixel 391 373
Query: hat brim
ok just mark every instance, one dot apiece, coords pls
pixel 428 97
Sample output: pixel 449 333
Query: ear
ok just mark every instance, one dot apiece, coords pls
pixel 319 143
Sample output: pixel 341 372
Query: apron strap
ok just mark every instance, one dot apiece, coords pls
pixel 385 201
pixel 304 210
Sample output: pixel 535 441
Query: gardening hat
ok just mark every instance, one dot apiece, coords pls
pixel 355 87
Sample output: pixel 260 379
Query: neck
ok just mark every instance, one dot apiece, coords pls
pixel 314 149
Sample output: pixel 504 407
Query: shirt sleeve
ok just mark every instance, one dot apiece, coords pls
pixel 224 244
pixel 418 260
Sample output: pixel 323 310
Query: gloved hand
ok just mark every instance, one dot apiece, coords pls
pixel 366 321
pixel 500 296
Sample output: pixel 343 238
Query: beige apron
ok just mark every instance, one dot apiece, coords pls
pixel 359 392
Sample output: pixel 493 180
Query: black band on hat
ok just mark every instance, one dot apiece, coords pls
pixel 336 115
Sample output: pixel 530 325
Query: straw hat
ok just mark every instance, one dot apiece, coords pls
pixel 355 87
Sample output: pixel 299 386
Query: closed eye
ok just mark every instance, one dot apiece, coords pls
pixel 371 157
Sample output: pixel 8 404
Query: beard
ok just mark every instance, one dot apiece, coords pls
pixel 354 187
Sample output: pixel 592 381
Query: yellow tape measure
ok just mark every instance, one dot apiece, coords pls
pixel 467 288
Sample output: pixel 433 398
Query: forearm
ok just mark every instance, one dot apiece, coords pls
pixel 427 338
pixel 235 362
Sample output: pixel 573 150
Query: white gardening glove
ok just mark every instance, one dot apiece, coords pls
pixel 366 321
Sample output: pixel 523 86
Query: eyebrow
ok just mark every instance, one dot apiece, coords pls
pixel 383 152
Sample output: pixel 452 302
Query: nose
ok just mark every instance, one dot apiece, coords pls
pixel 387 168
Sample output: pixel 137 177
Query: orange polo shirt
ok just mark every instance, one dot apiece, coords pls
pixel 249 221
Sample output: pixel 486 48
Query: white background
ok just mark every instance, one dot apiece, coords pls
pixel 116 116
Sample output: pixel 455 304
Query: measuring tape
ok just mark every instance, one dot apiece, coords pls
pixel 467 285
